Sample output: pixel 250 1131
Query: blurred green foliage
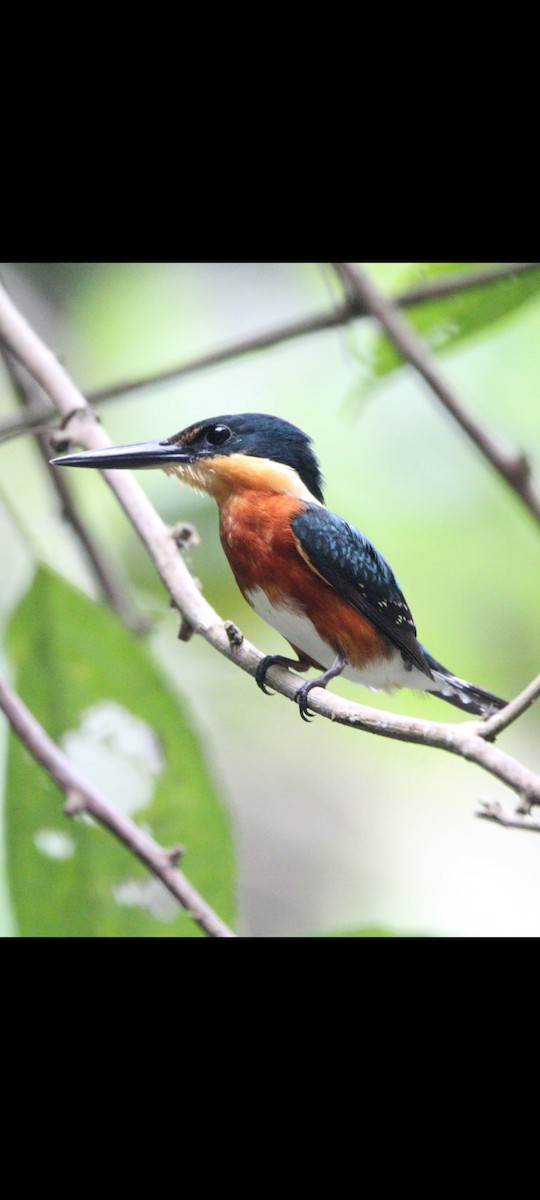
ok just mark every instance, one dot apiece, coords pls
pixel 451 319
pixel 333 830
pixel 98 694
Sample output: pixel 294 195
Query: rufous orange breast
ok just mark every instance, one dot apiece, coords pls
pixel 276 580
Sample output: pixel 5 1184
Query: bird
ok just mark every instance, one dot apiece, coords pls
pixel 306 571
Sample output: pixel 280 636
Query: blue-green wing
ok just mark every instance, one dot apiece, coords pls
pixel 354 568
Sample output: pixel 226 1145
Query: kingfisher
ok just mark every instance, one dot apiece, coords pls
pixel 305 570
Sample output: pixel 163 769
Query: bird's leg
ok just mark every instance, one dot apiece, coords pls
pixel 321 681
pixel 271 660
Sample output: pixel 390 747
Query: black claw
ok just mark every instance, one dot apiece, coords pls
pixel 302 694
pixel 271 660
pixel 260 673
pixel 302 701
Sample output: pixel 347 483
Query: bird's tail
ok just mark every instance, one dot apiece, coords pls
pixel 463 695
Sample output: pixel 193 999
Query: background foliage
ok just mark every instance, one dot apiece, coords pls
pixel 333 831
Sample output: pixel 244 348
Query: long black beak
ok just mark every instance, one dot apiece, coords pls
pixel 140 456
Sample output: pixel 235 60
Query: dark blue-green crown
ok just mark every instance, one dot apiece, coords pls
pixel 259 436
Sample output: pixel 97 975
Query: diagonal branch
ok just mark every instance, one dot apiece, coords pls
pixel 514 469
pixel 354 308
pixel 82 796
pixel 510 820
pixel 460 281
pixel 104 570
pixel 463 740
pixel 505 716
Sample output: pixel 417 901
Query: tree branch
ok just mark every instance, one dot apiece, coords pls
pixel 102 567
pixel 514 469
pixel 81 796
pixel 505 716
pixel 464 740
pixel 460 281
pixel 511 820
pixel 354 308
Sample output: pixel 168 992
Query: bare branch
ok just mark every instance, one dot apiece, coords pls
pixel 513 468
pixel 460 281
pixel 354 308
pixel 464 740
pixel 83 797
pixel 104 570
pixel 35 420
pixel 505 716
pixel 512 820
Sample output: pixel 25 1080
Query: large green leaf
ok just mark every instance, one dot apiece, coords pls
pixel 97 692
pixel 450 319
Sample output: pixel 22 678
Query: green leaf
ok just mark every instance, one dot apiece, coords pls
pixel 98 693
pixel 446 321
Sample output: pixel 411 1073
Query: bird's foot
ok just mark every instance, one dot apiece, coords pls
pixel 302 699
pixel 271 660
pixel 321 681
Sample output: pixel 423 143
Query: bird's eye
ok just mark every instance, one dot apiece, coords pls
pixel 218 434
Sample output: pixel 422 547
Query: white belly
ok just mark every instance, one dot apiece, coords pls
pixel 294 625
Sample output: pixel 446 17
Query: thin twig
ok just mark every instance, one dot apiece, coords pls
pixel 36 420
pixel 81 796
pixel 103 568
pixel 460 281
pixel 514 469
pixel 464 740
pixel 353 309
pixel 511 820
pixel 505 716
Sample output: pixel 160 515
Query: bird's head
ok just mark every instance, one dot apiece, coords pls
pixel 222 455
